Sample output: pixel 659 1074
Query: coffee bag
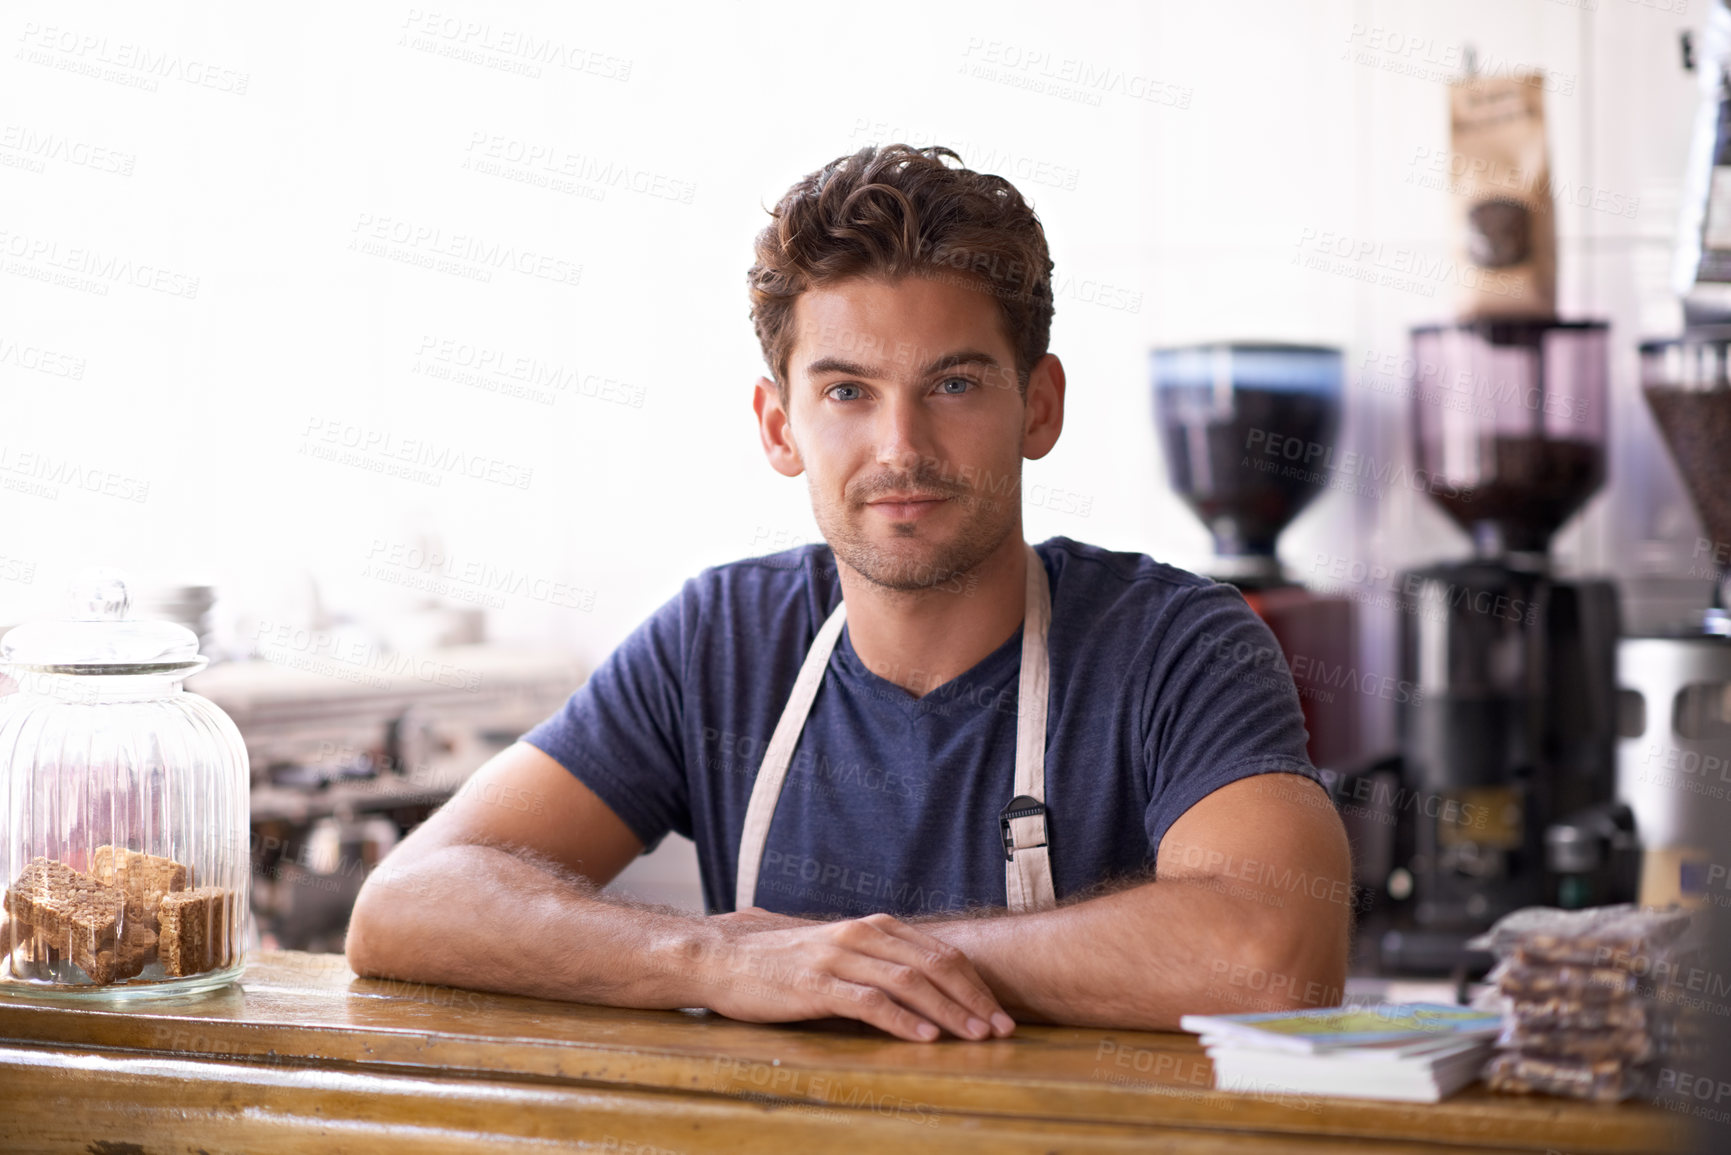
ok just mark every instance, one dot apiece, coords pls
pixel 1505 227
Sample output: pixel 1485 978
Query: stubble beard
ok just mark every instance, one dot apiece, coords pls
pixel 912 556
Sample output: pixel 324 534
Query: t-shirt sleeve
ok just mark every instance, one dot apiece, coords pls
pixel 619 732
pixel 1222 706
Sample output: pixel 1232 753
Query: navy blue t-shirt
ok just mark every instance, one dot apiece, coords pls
pixel 1165 686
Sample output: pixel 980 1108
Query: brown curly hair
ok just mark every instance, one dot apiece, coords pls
pixel 891 210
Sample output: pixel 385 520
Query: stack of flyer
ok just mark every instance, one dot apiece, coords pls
pixel 1423 1052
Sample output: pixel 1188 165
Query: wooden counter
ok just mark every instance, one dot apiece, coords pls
pixel 302 1056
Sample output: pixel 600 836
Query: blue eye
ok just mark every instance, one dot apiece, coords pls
pixel 967 383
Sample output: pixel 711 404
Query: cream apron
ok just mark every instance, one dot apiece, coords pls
pixel 1022 822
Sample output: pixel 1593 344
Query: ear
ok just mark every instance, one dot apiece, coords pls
pixel 1043 410
pixel 775 429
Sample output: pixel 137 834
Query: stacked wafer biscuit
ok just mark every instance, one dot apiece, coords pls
pixel 131 910
pixel 1583 998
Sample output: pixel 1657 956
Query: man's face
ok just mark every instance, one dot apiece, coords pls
pixel 906 388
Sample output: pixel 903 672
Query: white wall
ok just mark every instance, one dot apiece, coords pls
pixel 267 140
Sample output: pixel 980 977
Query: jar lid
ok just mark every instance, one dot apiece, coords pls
pixel 97 637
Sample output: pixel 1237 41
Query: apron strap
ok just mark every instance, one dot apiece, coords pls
pixel 766 788
pixel 1028 871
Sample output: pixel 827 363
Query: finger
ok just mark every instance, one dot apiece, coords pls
pixel 914 977
pixel 869 1004
pixel 953 971
pixel 963 965
pixel 912 988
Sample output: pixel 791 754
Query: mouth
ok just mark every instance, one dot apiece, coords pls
pixel 908 507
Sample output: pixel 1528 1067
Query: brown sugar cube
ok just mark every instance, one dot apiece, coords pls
pixel 142 878
pixel 135 950
pixel 194 930
pixel 70 910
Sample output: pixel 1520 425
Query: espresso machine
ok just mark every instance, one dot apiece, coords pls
pixel 1249 430
pixel 1507 741
pixel 1674 716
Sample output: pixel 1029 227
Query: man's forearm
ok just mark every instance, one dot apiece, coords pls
pixel 483 918
pixel 1139 958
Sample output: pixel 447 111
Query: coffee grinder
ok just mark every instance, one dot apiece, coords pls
pixel 1246 427
pixel 1674 708
pixel 1509 726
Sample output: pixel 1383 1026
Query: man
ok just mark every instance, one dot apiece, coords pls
pixel 936 777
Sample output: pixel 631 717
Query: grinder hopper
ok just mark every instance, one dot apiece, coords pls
pixel 1687 384
pixel 1243 425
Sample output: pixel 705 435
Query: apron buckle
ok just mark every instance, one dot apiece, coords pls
pixel 1021 806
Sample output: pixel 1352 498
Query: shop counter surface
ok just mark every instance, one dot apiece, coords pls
pixel 303 1056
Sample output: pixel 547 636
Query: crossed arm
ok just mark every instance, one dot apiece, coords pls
pixel 1251 911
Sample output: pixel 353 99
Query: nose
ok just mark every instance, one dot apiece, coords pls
pixel 903 433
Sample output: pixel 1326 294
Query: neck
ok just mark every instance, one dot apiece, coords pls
pixel 921 639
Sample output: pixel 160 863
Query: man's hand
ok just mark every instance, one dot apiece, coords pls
pixel 769 968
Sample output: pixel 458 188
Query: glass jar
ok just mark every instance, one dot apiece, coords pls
pixel 124 828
